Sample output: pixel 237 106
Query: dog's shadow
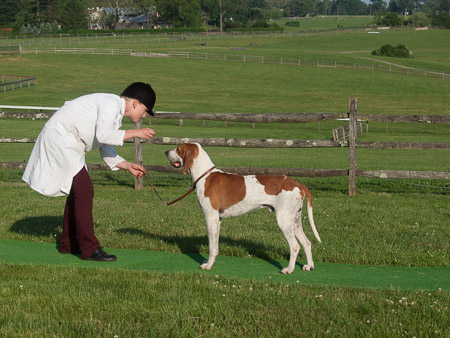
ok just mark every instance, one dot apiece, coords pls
pixel 191 245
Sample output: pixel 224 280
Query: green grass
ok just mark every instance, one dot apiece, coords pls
pixel 233 87
pixel 37 301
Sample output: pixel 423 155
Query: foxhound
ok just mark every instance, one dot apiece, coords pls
pixel 223 195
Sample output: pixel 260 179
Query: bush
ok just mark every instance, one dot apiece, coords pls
pixel 419 19
pixel 399 51
pixel 391 19
pixel 257 24
pixel 292 24
pixel 442 20
pixel 46 28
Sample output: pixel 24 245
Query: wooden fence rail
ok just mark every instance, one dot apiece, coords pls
pixel 441 119
pixel 352 172
pixel 269 143
pixel 296 172
pixel 29 81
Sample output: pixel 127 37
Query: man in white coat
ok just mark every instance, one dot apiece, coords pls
pixel 57 163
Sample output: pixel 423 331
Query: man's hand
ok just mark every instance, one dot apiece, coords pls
pixel 145 133
pixel 134 168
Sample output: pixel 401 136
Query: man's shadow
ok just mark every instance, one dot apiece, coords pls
pixel 51 226
pixel 39 226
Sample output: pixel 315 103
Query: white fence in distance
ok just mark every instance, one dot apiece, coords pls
pixel 382 67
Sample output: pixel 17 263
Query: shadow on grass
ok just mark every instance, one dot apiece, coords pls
pixel 191 245
pixel 107 178
pixel 39 226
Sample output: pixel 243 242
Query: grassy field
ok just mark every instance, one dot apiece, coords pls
pixel 136 304
pixel 389 222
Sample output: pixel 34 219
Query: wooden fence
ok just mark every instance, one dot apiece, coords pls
pixel 15 82
pixel 352 143
pixel 5 50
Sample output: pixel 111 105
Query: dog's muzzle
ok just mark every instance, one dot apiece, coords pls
pixel 175 160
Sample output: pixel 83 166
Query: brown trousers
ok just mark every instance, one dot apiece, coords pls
pixel 78 227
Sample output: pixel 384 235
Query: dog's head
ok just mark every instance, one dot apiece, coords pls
pixel 183 156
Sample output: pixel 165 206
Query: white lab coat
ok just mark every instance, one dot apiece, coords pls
pixel 88 122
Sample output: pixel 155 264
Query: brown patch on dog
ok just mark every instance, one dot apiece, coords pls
pixel 188 152
pixel 224 190
pixel 274 184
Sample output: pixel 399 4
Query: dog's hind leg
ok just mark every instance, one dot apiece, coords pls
pixel 304 241
pixel 286 224
pixel 213 225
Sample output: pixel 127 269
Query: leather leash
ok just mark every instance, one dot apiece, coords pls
pixel 179 198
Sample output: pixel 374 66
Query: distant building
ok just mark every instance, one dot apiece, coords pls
pixel 103 18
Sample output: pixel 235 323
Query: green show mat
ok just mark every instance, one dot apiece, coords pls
pixel 325 274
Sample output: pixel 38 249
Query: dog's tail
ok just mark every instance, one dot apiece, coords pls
pixel 310 213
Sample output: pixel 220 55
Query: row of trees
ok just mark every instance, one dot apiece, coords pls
pixel 73 14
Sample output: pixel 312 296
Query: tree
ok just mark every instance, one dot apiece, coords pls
pixel 224 7
pixel 300 8
pixel 117 6
pixel 441 19
pixel 278 4
pixel 394 7
pixel 145 7
pixel 406 6
pixel 73 16
pixel 8 11
pixel 181 13
pixel 349 7
pixel 378 6
pixel 55 26
pixel 34 10
pixel 444 6
pixel 391 19
pixel 272 13
pixel 420 19
pixel 430 6
pixel 52 11
pixel 23 17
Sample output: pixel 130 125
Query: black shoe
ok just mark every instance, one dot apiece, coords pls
pixel 101 256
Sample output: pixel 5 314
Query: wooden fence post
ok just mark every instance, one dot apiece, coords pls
pixel 352 134
pixel 138 158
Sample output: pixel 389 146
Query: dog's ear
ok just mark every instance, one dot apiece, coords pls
pixel 188 152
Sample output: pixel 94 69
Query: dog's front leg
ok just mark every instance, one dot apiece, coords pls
pixel 213 225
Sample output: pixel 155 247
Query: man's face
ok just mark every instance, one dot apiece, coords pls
pixel 138 111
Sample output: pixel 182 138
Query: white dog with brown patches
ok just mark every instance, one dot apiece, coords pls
pixel 224 195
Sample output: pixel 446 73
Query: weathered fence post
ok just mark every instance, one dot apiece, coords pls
pixel 138 158
pixel 352 134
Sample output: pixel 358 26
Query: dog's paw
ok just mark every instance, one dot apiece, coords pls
pixel 287 271
pixel 206 266
pixel 308 267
